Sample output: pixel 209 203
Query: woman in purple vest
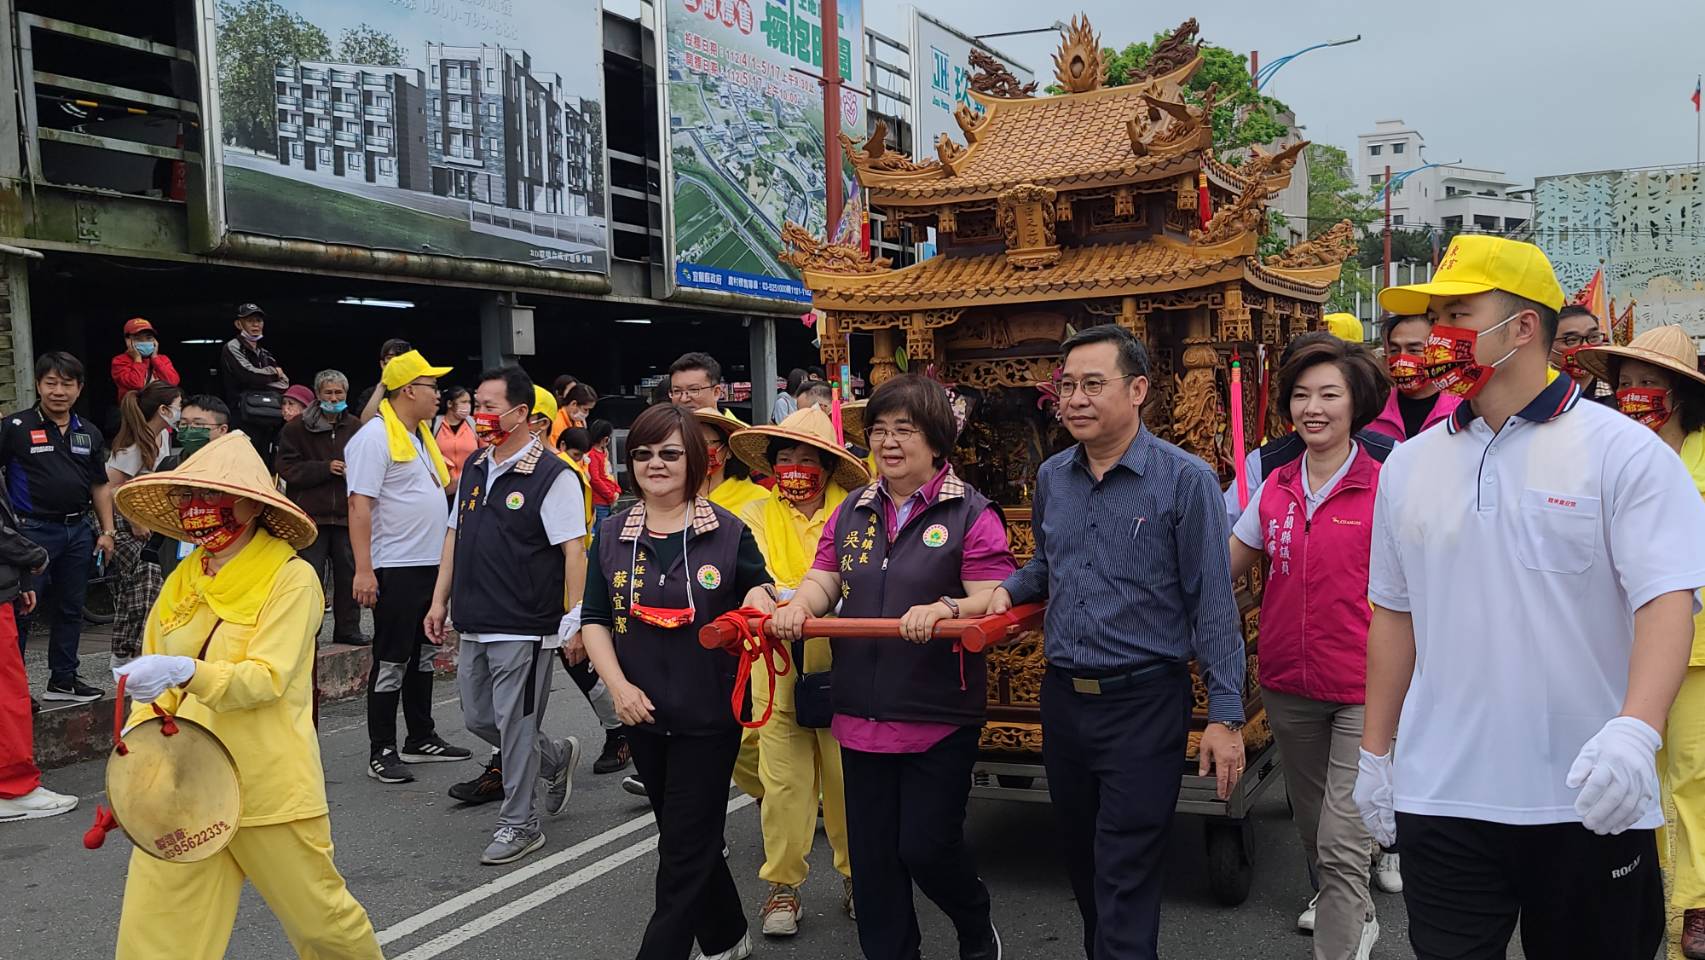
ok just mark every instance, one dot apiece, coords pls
pixel 1312 519
pixel 664 568
pixel 908 712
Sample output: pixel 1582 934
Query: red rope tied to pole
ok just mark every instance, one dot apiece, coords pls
pixel 751 641
pixel 105 822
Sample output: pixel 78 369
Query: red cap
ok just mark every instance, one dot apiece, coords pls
pixel 136 325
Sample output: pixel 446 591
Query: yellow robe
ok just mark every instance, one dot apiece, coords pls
pixel 1681 763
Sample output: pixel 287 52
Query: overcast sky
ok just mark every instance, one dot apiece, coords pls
pixel 1531 87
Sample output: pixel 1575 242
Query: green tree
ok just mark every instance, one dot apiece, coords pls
pixel 1332 197
pixel 368 44
pixel 255 36
pixel 1406 245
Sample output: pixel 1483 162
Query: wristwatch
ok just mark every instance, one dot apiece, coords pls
pixel 109 533
pixel 952 605
pixel 1232 725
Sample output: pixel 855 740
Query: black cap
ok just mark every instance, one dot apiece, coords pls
pixel 249 310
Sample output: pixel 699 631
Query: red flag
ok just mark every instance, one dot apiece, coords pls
pixel 1592 296
pixel 1695 98
pixel 1202 203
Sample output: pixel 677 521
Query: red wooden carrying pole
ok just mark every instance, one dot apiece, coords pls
pixel 975 635
pixel 832 115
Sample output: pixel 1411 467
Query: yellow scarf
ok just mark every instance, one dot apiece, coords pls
pixel 403 451
pixel 585 491
pixel 235 593
pixel 782 537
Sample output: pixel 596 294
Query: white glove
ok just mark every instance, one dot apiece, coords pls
pixel 1376 796
pixel 570 624
pixel 148 677
pixel 1617 774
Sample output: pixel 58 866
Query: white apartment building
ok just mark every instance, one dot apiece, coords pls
pixel 1451 197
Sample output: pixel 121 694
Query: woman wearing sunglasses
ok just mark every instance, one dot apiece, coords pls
pixel 664 568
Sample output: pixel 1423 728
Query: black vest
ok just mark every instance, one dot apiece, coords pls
pixel 508 576
pixel 892 679
pixel 690 686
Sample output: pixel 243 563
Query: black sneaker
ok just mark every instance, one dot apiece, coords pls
pixel 434 750
pixel 76 692
pixel 386 767
pixel 988 950
pixel 485 788
pixel 616 756
pixel 355 641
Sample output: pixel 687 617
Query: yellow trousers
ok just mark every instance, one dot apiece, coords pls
pixel 799 765
pixel 185 911
pixel 1681 770
pixel 746 765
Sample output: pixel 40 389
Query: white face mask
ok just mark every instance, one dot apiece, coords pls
pixel 171 415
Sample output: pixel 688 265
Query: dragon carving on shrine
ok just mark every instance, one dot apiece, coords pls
pixel 1165 126
pixel 1247 214
pixel 1077 64
pixel 876 156
pixel 1173 52
pixel 1262 165
pixel 991 77
pixel 803 251
pixel 1326 250
pixel 948 152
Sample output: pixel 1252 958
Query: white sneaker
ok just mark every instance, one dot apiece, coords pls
pixel 1387 873
pixel 1305 921
pixel 1370 936
pixel 38 803
pixel 781 911
pixel 740 951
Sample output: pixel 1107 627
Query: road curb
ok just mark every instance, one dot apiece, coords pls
pixel 76 732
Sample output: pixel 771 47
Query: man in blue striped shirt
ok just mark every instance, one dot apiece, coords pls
pixel 1130 555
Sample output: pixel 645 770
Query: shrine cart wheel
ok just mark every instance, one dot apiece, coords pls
pixel 1231 871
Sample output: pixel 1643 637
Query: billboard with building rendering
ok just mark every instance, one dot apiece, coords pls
pixel 745 135
pixel 941 80
pixel 461 128
pixel 1641 227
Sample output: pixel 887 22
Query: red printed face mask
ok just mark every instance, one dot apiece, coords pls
pixel 1408 372
pixel 1450 363
pixel 211 522
pixel 666 618
pixel 715 456
pixel 1570 363
pixel 799 482
pixel 1646 405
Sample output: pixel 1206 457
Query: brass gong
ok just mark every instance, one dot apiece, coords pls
pixel 174 790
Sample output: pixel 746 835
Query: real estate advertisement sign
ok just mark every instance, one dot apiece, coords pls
pixel 745 117
pixel 941 80
pixel 462 128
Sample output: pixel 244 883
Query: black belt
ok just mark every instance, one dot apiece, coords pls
pixel 68 519
pixel 1097 684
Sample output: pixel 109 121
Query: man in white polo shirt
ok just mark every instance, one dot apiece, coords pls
pixel 398 508
pixel 1532 575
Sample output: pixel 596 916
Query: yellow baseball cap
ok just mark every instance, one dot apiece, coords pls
pixel 1344 326
pixel 407 367
pixel 544 405
pixel 1475 263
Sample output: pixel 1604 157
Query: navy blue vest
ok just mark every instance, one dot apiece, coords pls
pixel 892 679
pixel 690 686
pixel 508 576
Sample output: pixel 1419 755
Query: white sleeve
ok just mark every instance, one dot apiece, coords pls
pixel 1252 468
pixel 1247 527
pixel 365 460
pixel 1387 585
pixel 127 461
pixel 564 510
pixel 1656 524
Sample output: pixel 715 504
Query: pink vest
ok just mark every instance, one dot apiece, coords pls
pixel 1390 419
pixel 1314 612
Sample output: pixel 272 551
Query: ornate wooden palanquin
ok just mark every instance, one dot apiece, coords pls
pixel 1059 213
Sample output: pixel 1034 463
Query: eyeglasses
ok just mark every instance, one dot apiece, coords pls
pixel 680 393
pixel 880 435
pixel 178 496
pixel 1091 386
pixel 422 383
pixel 1570 341
pixel 644 454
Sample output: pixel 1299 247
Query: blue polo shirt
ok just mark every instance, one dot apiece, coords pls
pixel 50 472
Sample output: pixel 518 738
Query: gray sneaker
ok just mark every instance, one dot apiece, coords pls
pixel 510 844
pixel 561 781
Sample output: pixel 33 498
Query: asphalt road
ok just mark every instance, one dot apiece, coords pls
pixel 411 855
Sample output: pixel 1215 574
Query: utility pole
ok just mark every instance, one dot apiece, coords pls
pixel 1385 278
pixel 832 114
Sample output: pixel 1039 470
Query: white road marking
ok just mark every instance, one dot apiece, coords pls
pixel 538 898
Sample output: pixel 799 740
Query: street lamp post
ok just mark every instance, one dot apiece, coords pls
pixel 1057 27
pixel 1264 75
pixel 1396 181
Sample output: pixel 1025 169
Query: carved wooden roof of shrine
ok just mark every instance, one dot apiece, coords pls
pixel 1067 141
pixel 1081 272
